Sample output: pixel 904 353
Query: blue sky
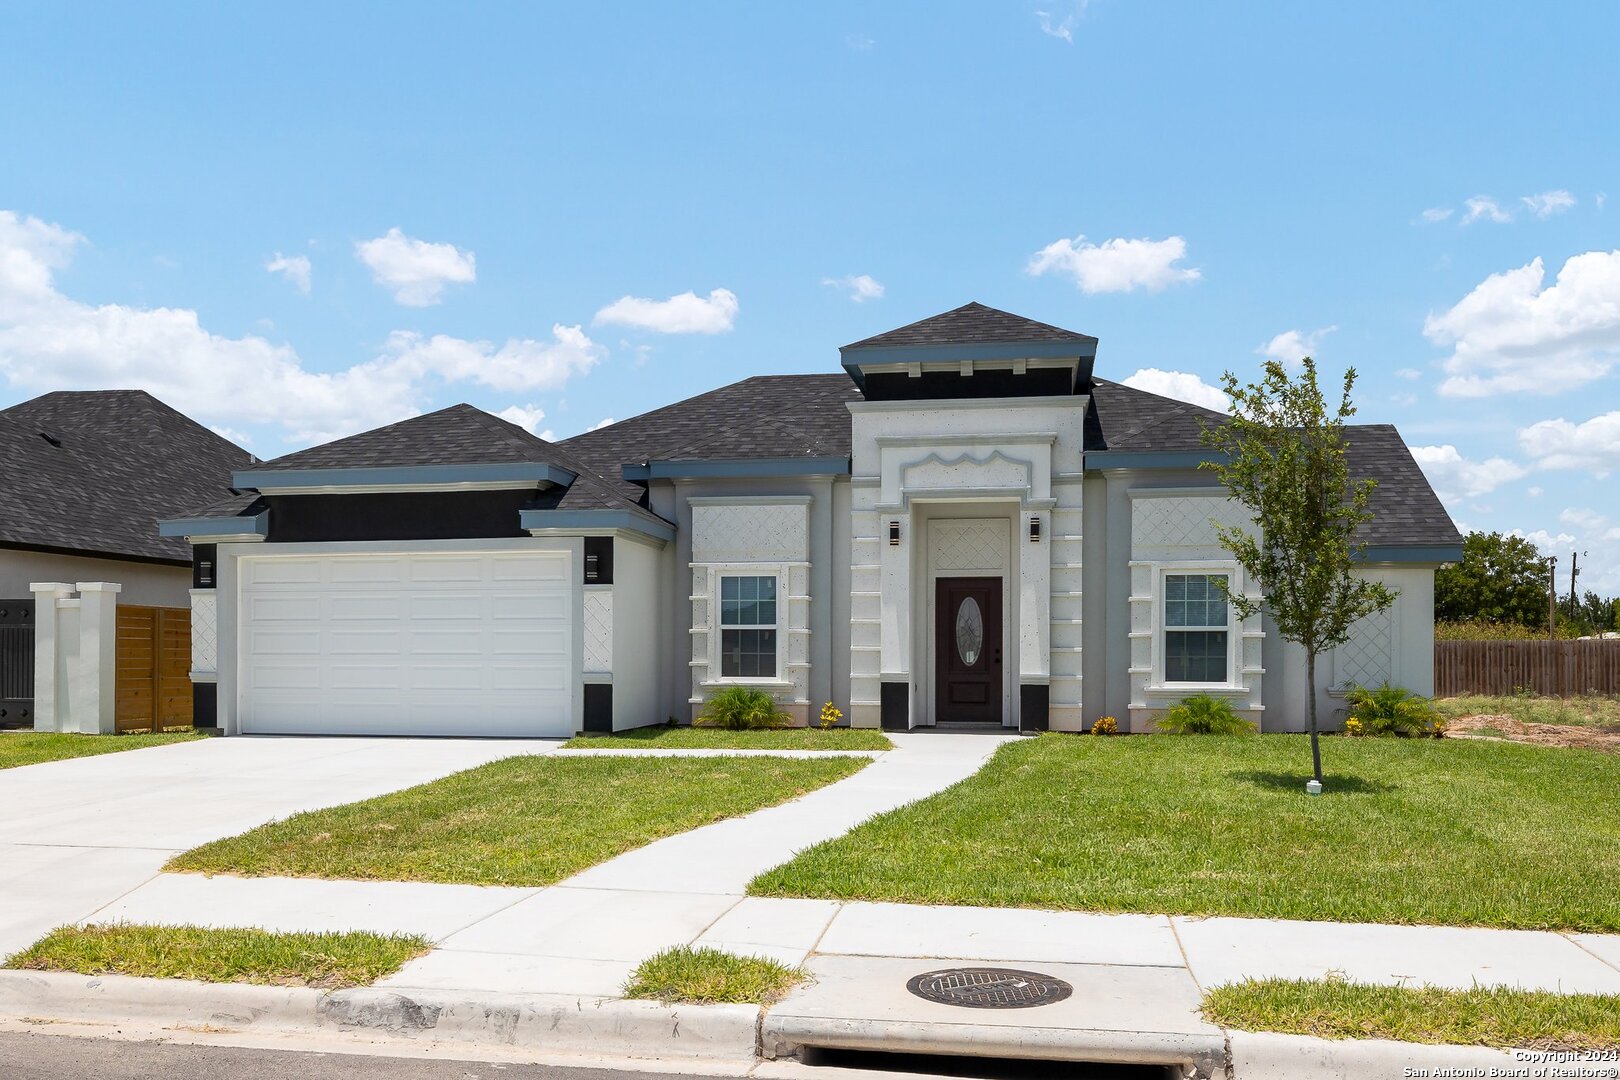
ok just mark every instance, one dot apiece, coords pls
pixel 510 206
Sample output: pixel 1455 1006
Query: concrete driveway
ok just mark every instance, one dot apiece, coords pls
pixel 77 835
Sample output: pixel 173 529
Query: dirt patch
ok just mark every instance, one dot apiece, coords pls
pixel 1505 727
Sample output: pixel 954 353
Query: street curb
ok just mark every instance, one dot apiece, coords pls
pixel 1266 1055
pixel 788 1036
pixel 553 1023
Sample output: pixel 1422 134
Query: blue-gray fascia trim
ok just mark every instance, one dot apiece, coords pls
pixel 595 519
pixel 1152 459
pixel 1081 351
pixel 734 469
pixel 1412 553
pixel 405 475
pixel 257 525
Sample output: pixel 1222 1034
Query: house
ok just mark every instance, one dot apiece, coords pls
pixel 966 527
pixel 87 475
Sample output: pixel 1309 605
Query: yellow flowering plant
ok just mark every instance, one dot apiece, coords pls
pixel 1105 725
pixel 830 715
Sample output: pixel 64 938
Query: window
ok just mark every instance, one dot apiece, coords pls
pixel 1195 629
pixel 748 627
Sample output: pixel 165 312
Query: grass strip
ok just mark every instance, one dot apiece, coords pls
pixel 1434 831
pixel 703 976
pixel 324 961
pixel 691 738
pixel 1482 1016
pixel 529 820
pixel 36 747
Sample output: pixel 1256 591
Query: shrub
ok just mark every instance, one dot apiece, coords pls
pixel 830 715
pixel 1105 725
pixel 1390 710
pixel 1202 714
pixel 742 708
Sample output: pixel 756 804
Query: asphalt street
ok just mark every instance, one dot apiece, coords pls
pixel 28 1056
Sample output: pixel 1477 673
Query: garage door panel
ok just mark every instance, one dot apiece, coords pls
pixel 408 643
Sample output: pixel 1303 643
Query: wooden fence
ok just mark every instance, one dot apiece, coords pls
pixel 153 685
pixel 1550 668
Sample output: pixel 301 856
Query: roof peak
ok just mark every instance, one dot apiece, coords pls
pixel 971 324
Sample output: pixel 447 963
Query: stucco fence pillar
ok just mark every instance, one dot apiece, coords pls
pixel 75 656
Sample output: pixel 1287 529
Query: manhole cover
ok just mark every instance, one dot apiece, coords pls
pixel 989 988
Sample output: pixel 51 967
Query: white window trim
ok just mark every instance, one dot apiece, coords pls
pixel 724 570
pixel 1234 629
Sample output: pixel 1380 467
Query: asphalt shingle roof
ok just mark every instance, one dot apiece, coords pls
pixel 94 471
pixel 806 415
pixel 458 435
pixel 970 324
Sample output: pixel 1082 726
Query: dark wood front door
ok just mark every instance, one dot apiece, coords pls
pixel 967 647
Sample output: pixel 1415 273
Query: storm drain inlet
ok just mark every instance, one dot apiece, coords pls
pixel 989 988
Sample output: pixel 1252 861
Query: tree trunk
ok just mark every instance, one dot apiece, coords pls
pixel 1310 681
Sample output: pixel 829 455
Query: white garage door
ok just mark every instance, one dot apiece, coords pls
pixel 407 644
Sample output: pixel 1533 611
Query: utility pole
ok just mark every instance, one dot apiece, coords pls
pixel 1552 597
pixel 1574 572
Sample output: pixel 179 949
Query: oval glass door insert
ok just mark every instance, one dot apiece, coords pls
pixel 969 631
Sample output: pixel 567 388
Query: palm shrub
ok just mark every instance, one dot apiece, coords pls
pixel 1390 710
pixel 1202 714
pixel 742 708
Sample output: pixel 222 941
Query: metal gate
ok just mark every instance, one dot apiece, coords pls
pixel 17 663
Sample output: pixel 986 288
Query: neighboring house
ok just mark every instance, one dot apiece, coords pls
pixel 87 476
pixel 966 527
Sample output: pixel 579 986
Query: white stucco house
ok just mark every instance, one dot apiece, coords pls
pixel 964 527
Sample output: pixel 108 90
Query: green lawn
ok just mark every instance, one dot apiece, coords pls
pixel 530 820
pixel 327 961
pixel 710 976
pixel 33 747
pixel 695 738
pixel 1333 1009
pixel 1591 710
pixel 1441 831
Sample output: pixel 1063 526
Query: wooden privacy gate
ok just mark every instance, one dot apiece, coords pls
pixel 153 686
pixel 1549 668
pixel 17 663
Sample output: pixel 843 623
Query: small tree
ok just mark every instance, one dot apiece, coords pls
pixel 1285 461
pixel 1501 579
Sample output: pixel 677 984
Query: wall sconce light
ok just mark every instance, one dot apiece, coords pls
pixel 894 534
pixel 205 573
pixel 591 571
pixel 1035 529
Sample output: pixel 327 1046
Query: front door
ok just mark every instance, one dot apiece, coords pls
pixel 967 647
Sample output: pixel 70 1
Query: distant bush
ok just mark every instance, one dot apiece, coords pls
pixel 1483 630
pixel 742 708
pixel 1202 714
pixel 1390 710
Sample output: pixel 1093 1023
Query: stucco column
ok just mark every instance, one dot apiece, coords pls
pixel 94 687
pixel 47 662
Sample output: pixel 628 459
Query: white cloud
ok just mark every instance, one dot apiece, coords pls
pixel 606 421
pixel 416 270
pixel 1456 477
pixel 520 364
pixel 1292 346
pixel 1409 373
pixel 687 313
pixel 1545 541
pixel 1549 203
pixel 1510 335
pixel 1534 491
pixel 1436 213
pixel 1116 265
pixel 240 438
pixel 859 42
pixel 1404 400
pixel 527 417
pixel 1181 385
pixel 295 268
pixel 51 341
pixel 1485 208
pixel 861 287
pixel 1060 28
pixel 1582 517
pixel 1593 446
